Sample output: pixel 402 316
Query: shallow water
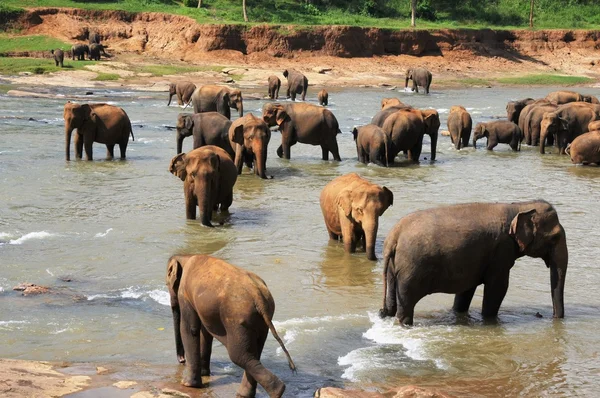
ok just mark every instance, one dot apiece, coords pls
pixel 110 226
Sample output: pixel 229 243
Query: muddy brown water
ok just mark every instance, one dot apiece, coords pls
pixel 110 226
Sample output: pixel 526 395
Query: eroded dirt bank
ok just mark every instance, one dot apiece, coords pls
pixel 350 55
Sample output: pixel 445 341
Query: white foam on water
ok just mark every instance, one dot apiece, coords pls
pixel 314 320
pixel 443 110
pixel 60 331
pixel 5 235
pixel 97 296
pixel 6 325
pixel 49 272
pixel 160 296
pixel 101 234
pixel 30 236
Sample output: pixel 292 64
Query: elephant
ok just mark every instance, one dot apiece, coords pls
pixel 533 124
pixel 103 123
pixel 208 176
pixel 304 123
pixel 459 126
pixel 184 91
pixel 94 38
pixel 59 56
pixel 593 126
pixel 529 108
pixel 567 122
pixel 323 97
pixel 585 149
pixel 453 249
pixel 208 128
pixel 420 77
pixel 96 50
pixel 251 136
pixel 274 85
pixel 564 97
pixel 498 131
pixel 405 129
pixel 351 207
pixel 297 83
pixel 211 298
pixel 388 108
pixel 514 108
pixel 387 102
pixel 217 99
pixel 372 145
pixel 80 51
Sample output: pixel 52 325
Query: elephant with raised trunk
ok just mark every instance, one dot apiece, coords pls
pixel 251 136
pixel 304 123
pixel 217 99
pixel 183 90
pixel 102 123
pixel 459 126
pixel 210 299
pixel 372 145
pixel 420 77
pixel 297 83
pixel 80 51
pixel 208 128
pixel 454 249
pixel 406 127
pixel 514 108
pixel 274 85
pixel 351 208
pixel 498 132
pixel 567 122
pixel 208 176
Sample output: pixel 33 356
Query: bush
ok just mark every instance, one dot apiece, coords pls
pixel 190 3
pixel 426 11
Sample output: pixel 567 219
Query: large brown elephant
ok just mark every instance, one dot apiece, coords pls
pixel 528 108
pixel 297 83
pixel 420 77
pixel 304 123
pixel 453 249
pixel 514 108
pixel 217 99
pixel 208 128
pixel 585 149
pixel 406 128
pixel 387 102
pixel 211 298
pixel 208 176
pixel 351 208
pixel 459 126
pixel 567 122
pixel 274 85
pixel 533 123
pixel 564 97
pixel 251 136
pixel 388 107
pixel 372 145
pixel 102 123
pixel 184 91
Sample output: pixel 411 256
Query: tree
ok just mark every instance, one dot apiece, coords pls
pixel 199 3
pixel 244 9
pixel 531 15
pixel 413 10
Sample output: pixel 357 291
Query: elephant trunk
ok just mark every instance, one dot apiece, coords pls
pixel 204 194
pixel 180 138
pixel 68 133
pixel 406 83
pixel 169 103
pixel 474 142
pixel 557 262
pixel 260 162
pixel 176 325
pixel 240 108
pixel 370 230
pixel 543 135
pixel 434 137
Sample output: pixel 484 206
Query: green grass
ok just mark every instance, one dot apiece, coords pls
pixel 103 77
pixel 557 80
pixel 510 14
pixel 161 70
pixel 10 43
pixel 13 66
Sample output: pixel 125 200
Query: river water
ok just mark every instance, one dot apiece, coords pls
pixel 110 226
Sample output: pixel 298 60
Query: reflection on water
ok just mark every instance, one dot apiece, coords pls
pixel 110 226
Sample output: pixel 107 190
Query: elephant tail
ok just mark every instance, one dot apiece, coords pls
pixel 568 150
pixel 387 259
pixel 131 132
pixel 274 332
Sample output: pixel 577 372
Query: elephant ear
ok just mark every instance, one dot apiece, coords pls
pixel 344 202
pixel 389 195
pixel 174 272
pixel 189 122
pixel 177 166
pixel 355 133
pixel 236 132
pixel 281 117
pixel 522 228
pixel 564 123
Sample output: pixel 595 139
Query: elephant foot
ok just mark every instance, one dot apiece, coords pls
pixel 181 358
pixel 205 372
pixel 194 382
pixel 383 313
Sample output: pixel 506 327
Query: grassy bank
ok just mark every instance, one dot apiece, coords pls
pixel 9 43
pixel 14 66
pixel 527 80
pixel 510 14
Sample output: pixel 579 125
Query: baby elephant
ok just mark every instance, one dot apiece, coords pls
pixel 499 131
pixel 372 145
pixel 214 299
pixel 585 149
pixel 59 57
pixel 274 85
pixel 459 126
pixel 351 208
pixel 323 97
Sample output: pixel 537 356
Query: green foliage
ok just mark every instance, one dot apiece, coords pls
pixel 190 3
pixel 557 80
pixel 102 77
pixel 161 70
pixel 426 11
pixel 10 43
pixel 14 66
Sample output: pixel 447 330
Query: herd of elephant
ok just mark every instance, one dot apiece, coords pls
pixel 450 249
pixel 94 50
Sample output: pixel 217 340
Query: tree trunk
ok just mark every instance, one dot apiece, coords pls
pixel 531 15
pixel 244 9
pixel 199 3
pixel 413 10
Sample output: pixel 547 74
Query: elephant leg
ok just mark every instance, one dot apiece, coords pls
pixel 293 93
pixel 376 157
pixel 465 140
pixel 493 294
pixel 406 305
pixel 325 152
pixel 286 151
pixel 462 301
pixel 280 151
pixel 415 86
pixel 190 334
pixel 333 235
pixel 303 95
pixel 123 146
pixel 87 144
pixel 226 203
pixel 206 340
pixel 427 88
pixel 110 151
pixel 191 204
pixel 78 146
pixel 491 144
pixel 333 148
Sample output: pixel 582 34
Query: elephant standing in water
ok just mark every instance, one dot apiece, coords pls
pixel 274 85
pixel 454 249
pixel 567 122
pixel 585 149
pixel 459 126
pixel 304 123
pixel 297 83
pixel 372 145
pixel 208 128
pixel 217 99
pixel 214 299
pixel 514 108
pixel 351 208
pixel 208 176
pixel 103 123
pixel 406 128
pixel 251 136
pixel 533 123
pixel 498 132
pixel 323 97
pixel 184 91
pixel 420 77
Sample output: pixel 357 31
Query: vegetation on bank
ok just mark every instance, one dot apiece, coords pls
pixel 564 14
pixel 14 66
pixel 9 43
pixel 527 80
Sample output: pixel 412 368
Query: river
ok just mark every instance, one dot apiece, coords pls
pixel 110 226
